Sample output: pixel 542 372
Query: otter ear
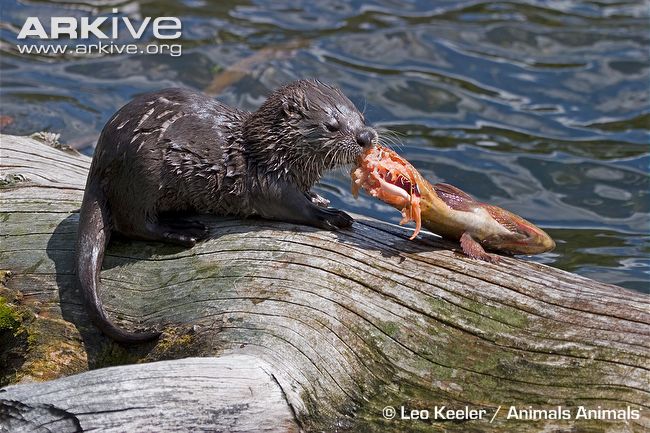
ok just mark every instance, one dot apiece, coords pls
pixel 294 105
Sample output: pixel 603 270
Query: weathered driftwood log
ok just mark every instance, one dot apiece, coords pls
pixel 326 328
pixel 237 393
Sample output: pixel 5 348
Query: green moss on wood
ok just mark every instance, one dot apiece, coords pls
pixel 113 354
pixel 390 328
pixel 176 343
pixel 9 318
pixel 35 347
pixel 13 335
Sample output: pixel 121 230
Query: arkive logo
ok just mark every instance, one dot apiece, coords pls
pixel 74 28
pixel 105 32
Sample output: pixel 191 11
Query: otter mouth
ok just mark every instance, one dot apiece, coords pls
pixel 347 154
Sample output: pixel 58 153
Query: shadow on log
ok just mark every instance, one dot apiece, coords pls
pixel 325 329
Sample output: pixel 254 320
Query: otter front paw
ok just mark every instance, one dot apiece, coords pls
pixel 332 219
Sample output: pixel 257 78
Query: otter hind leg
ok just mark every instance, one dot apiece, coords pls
pixel 173 234
pixel 180 233
pixel 192 228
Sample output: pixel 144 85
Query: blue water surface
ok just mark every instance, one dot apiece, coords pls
pixel 540 107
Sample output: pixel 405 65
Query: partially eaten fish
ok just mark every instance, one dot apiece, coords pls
pixel 390 178
pixel 445 209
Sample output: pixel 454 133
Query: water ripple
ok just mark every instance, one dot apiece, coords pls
pixel 541 107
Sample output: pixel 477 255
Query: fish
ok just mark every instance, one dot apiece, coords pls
pixel 445 209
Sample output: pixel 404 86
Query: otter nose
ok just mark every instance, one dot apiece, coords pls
pixel 366 137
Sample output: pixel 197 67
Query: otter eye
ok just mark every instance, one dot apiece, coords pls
pixel 332 125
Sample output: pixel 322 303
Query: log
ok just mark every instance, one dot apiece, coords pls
pixel 237 393
pixel 326 329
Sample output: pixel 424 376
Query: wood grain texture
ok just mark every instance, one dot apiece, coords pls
pixel 346 322
pixel 235 392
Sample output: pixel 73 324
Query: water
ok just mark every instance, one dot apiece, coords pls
pixel 540 107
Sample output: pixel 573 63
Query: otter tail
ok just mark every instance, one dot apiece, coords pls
pixel 92 238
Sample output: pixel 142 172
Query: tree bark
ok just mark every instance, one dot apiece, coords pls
pixel 296 327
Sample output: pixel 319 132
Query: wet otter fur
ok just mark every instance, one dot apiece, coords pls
pixel 178 150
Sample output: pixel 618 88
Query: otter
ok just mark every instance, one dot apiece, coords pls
pixel 179 151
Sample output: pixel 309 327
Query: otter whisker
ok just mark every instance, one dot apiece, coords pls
pixel 333 149
pixel 390 131
pixel 390 136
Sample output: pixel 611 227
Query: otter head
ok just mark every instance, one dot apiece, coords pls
pixel 305 128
